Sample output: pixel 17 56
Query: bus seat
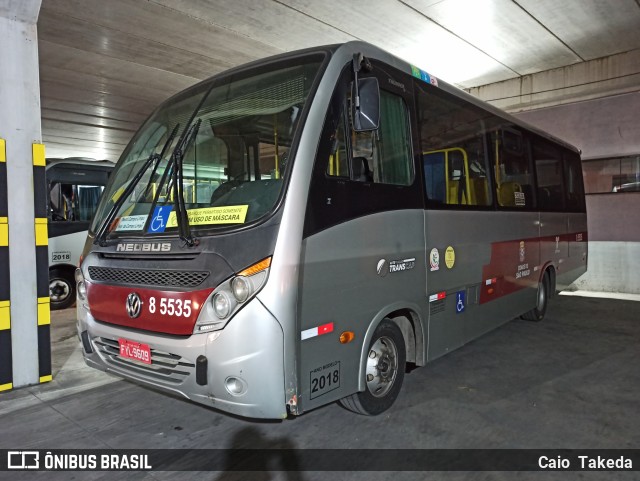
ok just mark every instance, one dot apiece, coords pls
pixel 479 194
pixel 506 193
pixel 544 198
pixel 527 189
pixel 458 192
pixel 452 192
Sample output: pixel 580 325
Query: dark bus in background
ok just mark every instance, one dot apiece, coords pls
pixel 74 186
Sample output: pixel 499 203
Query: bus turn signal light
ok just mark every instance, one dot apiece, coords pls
pixel 257 267
pixel 346 337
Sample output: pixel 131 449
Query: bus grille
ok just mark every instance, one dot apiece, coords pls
pixel 165 367
pixel 147 277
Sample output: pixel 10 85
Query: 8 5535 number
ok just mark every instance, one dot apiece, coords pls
pixel 170 307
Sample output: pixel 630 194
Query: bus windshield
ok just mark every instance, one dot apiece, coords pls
pixel 235 164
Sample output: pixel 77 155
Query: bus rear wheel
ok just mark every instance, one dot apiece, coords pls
pixel 384 372
pixel 537 313
pixel 62 289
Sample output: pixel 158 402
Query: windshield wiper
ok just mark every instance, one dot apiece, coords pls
pixel 174 171
pixel 184 230
pixel 101 234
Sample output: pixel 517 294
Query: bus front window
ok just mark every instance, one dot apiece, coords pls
pixel 232 168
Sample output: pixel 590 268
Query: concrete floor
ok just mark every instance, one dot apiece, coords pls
pixel 571 381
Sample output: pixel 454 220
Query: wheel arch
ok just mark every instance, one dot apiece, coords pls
pixel 549 268
pixel 406 317
pixel 66 268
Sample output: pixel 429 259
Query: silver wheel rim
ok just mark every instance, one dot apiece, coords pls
pixel 382 366
pixel 58 290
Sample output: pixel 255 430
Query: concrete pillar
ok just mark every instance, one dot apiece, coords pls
pixel 24 317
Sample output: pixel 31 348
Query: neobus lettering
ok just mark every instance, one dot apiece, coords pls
pixel 146 247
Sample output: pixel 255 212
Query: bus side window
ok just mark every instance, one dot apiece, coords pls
pixel 548 163
pixel 392 162
pixel 364 155
pixel 61 202
pixel 338 160
pixel 454 150
pixel 434 176
pixel 88 197
pixel 574 187
pixel 382 156
pixel 513 174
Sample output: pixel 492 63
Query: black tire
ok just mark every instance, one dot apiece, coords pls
pixel 384 374
pixel 62 289
pixel 537 313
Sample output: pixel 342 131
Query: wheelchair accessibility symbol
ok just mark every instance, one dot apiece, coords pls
pixel 460 299
pixel 159 219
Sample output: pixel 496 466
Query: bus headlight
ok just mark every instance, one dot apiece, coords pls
pixel 241 288
pixel 82 290
pixel 231 296
pixel 81 287
pixel 221 305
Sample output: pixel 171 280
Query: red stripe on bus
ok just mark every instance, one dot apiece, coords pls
pixel 518 263
pixel 109 304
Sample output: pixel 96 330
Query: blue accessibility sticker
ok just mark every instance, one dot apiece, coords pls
pixel 159 219
pixel 460 300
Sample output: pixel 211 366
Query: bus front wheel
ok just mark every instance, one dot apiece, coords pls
pixel 384 372
pixel 537 313
pixel 62 289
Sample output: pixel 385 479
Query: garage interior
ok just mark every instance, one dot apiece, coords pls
pixel 92 71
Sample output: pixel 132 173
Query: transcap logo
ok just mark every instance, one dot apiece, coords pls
pixel 23 460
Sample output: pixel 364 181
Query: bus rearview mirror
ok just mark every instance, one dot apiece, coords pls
pixel 365 104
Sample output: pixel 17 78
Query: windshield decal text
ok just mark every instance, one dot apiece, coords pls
pixel 131 222
pixel 232 214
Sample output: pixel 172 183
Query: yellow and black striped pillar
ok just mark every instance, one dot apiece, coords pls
pixel 42 263
pixel 6 363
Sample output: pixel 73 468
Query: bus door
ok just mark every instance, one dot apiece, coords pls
pixel 516 260
pixel 363 244
pixel 554 246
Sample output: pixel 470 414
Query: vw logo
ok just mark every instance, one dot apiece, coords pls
pixel 134 305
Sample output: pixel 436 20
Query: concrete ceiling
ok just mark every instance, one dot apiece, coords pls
pixel 104 65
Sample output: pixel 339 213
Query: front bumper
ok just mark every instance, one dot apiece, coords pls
pixel 247 356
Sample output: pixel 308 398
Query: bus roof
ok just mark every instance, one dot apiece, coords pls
pixel 384 56
pixel 348 49
pixel 80 161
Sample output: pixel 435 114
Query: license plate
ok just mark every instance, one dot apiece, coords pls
pixel 135 350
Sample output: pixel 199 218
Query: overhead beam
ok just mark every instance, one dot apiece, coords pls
pixel 603 77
